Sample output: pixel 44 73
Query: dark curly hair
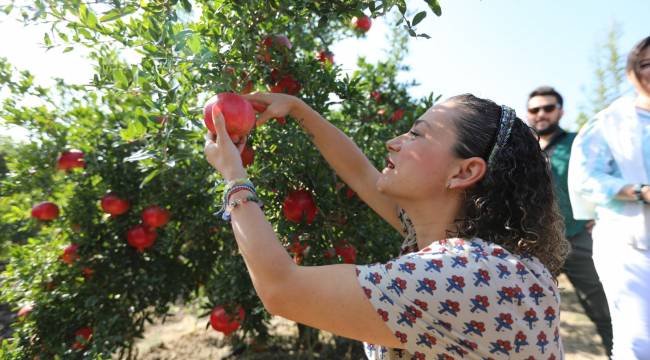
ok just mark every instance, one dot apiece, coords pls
pixel 514 204
pixel 632 66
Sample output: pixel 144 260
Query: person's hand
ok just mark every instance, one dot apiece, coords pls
pixel 272 105
pixel 645 194
pixel 589 226
pixel 221 152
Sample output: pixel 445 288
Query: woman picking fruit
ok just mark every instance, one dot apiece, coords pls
pixel 483 237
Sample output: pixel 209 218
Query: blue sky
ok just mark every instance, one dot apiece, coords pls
pixel 503 49
pixel 499 49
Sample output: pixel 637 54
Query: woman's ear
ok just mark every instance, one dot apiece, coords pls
pixel 469 172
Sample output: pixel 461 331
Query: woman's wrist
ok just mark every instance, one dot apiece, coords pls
pixel 235 174
pixel 298 108
pixel 645 193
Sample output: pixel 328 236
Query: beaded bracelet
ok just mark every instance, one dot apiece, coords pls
pixel 235 203
pixel 240 181
pixel 235 189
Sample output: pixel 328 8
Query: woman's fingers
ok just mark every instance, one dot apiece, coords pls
pixel 220 126
pixel 258 106
pixel 257 97
pixel 263 118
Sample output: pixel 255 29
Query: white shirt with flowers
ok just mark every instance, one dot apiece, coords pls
pixel 465 299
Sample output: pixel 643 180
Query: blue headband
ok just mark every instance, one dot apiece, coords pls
pixel 508 117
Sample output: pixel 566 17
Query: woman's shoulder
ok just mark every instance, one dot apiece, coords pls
pixel 476 253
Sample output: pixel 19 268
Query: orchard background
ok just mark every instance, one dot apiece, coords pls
pixel 83 272
pixel 131 139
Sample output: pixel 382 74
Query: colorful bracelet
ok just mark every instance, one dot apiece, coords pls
pixel 232 187
pixel 228 193
pixel 237 202
pixel 240 181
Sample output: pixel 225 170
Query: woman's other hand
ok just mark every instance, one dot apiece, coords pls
pixel 272 105
pixel 222 153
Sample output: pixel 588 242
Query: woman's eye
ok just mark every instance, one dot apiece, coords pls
pixel 413 133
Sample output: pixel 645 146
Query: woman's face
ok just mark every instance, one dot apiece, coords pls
pixel 419 162
pixel 641 79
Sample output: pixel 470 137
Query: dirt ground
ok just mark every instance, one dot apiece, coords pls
pixel 185 337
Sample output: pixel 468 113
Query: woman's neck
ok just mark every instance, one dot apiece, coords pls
pixel 432 223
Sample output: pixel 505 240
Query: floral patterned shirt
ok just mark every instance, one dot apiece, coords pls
pixel 465 299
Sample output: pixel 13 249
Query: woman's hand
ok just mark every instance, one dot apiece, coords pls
pixel 221 152
pixel 272 105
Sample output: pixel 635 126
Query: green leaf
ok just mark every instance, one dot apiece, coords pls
pixel 120 78
pixel 402 7
pixel 47 40
pixel 152 175
pixel 134 131
pixel 68 49
pixel 418 17
pixel 194 43
pixel 187 6
pixel 139 155
pixel 426 36
pixel 435 7
pixel 111 15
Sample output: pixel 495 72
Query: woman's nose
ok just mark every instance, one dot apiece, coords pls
pixel 394 144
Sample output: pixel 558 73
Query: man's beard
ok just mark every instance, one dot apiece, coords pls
pixel 549 129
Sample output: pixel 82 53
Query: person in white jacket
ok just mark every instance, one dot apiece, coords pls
pixel 609 173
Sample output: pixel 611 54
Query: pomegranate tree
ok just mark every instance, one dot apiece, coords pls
pixel 140 125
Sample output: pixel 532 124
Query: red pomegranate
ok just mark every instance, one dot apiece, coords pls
pixel 70 254
pixel 70 159
pixel 299 204
pixel 82 337
pixel 247 156
pixel 87 272
pixel 45 211
pixel 346 251
pixel 114 205
pixel 362 23
pixel 155 216
pixel 325 56
pixel 297 248
pixel 248 87
pixel 237 111
pixel 287 84
pixel 277 42
pixel 223 322
pixel 349 193
pixel 376 95
pixel 141 237
pixel 397 115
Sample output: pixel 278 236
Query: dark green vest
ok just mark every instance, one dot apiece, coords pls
pixel 559 151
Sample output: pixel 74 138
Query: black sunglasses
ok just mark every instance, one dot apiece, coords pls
pixel 546 108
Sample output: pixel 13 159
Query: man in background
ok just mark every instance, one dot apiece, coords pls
pixel 544 114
